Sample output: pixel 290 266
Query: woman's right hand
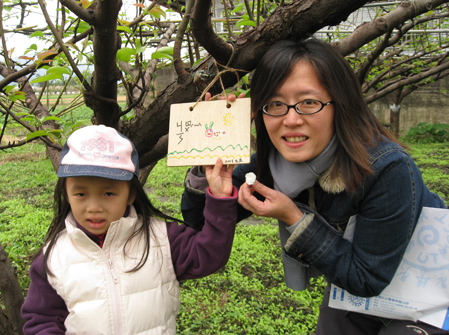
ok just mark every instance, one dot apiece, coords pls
pixel 276 204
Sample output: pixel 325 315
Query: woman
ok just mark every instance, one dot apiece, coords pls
pixel 324 163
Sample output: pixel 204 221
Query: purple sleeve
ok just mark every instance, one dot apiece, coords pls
pixel 199 254
pixel 44 311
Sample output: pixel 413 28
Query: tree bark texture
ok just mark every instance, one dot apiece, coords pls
pixel 12 297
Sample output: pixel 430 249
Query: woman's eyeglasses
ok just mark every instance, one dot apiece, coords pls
pixel 309 106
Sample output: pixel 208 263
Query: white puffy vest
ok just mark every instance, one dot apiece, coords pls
pixel 102 298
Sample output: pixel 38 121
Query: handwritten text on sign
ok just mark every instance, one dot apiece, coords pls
pixel 211 130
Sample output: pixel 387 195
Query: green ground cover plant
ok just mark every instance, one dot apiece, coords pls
pixel 248 296
pixel 433 161
pixel 425 132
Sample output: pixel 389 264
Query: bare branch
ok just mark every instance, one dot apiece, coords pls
pixel 409 81
pixel 13 75
pixel 371 30
pixel 75 7
pixel 390 72
pixel 204 33
pixel 178 64
pixel 28 127
pixel 63 47
pixel 5 47
pixel 140 90
pixel 141 17
pixel 364 68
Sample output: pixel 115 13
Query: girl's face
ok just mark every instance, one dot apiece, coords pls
pixel 97 202
pixel 301 137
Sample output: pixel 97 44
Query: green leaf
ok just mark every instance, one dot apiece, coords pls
pixel 158 55
pixel 164 52
pixel 37 34
pixel 246 23
pixel 55 132
pixel 47 77
pixel 124 28
pixel 60 70
pixel 17 96
pixel 51 118
pixel 139 47
pixel 125 54
pixel 8 88
pixel 29 118
pixel 157 12
pixel 82 27
pixel 36 134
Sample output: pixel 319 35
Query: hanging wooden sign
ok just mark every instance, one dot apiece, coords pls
pixel 202 132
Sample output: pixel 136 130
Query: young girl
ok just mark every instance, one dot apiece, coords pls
pixel 111 261
pixel 346 194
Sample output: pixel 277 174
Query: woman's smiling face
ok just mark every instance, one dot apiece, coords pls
pixel 300 138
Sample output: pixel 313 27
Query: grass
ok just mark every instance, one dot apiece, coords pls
pixel 433 161
pixel 248 296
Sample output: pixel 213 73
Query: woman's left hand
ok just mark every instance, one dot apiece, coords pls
pixel 276 204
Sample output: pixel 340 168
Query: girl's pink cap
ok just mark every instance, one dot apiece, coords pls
pixel 99 151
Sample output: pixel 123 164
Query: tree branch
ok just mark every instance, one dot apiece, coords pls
pixel 365 67
pixel 409 81
pixel 371 30
pixel 75 7
pixel 393 70
pixel 106 43
pixel 178 64
pixel 63 47
pixel 204 33
pixel 13 75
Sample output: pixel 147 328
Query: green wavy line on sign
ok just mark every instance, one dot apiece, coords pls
pixel 202 157
pixel 211 150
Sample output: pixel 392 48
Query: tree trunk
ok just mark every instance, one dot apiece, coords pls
pixel 12 297
pixel 394 119
pixel 5 326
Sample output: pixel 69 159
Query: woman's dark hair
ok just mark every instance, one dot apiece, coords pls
pixel 357 129
pixel 141 203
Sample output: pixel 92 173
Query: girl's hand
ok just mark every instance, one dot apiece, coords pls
pixel 276 204
pixel 219 178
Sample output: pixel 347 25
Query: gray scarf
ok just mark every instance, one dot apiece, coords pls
pixel 291 179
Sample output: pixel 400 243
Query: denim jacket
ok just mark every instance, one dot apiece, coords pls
pixel 386 209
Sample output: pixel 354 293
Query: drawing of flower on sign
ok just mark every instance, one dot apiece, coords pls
pixel 214 133
pixel 217 129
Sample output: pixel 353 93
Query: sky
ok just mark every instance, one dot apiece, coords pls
pixel 21 42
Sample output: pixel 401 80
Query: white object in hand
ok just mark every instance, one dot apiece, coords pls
pixel 250 178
